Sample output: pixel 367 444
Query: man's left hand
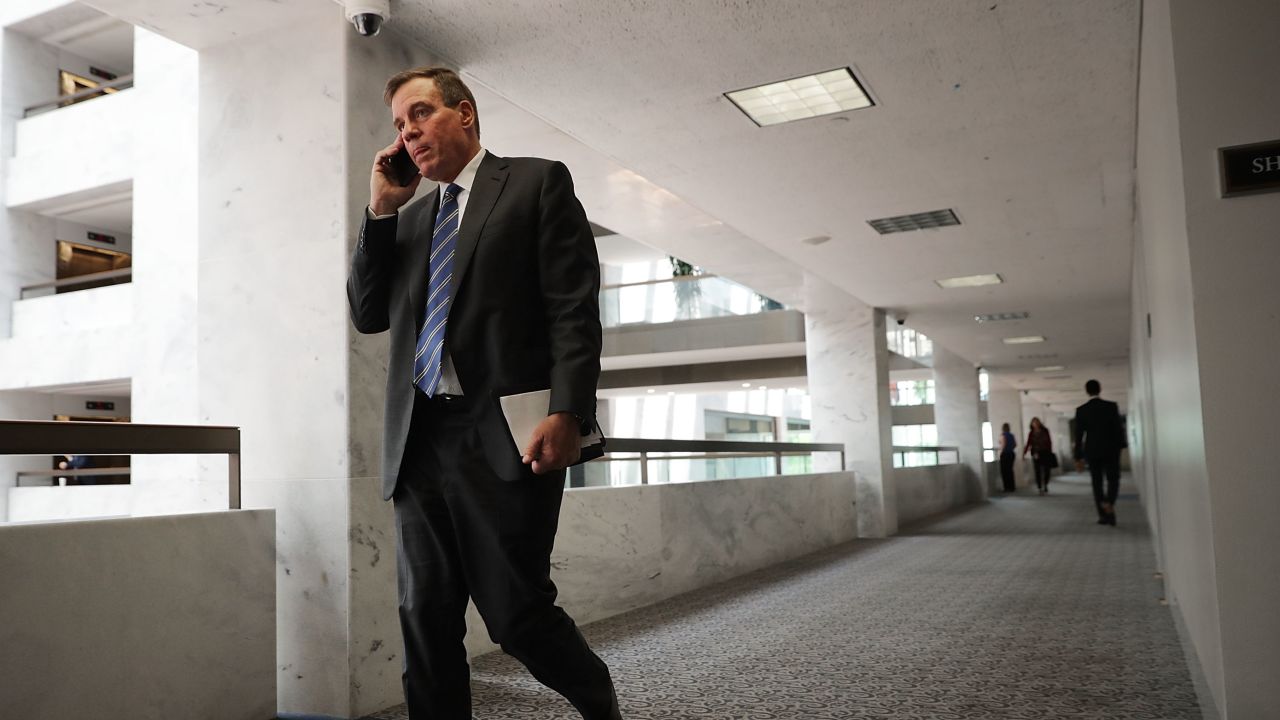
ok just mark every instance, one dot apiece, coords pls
pixel 555 445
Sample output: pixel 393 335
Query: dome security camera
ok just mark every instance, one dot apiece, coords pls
pixel 368 16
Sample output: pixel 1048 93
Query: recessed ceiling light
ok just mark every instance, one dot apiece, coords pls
pixel 761 387
pixel 650 391
pixel 746 384
pixel 1040 356
pixel 824 93
pixel 999 317
pixel 671 392
pixel 1051 368
pixel 1024 340
pixel 915 221
pixel 969 281
pixel 816 240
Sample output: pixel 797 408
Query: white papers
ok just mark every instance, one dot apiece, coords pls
pixel 523 413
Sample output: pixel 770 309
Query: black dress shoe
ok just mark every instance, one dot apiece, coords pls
pixel 1111 520
pixel 1103 521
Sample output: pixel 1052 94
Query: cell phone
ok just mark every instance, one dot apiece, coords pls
pixel 403 169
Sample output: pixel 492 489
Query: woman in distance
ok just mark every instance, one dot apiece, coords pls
pixel 1040 445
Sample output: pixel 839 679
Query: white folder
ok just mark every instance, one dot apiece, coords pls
pixel 525 410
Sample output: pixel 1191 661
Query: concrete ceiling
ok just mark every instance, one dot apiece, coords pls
pixel 103 40
pixel 1020 115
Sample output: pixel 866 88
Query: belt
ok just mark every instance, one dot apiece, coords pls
pixel 444 401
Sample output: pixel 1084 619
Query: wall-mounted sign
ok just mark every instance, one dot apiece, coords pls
pixel 104 74
pixel 99 405
pixel 1248 169
pixel 99 237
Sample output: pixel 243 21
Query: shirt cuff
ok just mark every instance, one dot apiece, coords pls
pixel 368 213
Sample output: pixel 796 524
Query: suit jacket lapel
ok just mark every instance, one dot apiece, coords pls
pixel 419 254
pixel 491 176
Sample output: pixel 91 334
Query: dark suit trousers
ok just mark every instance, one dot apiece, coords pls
pixel 1006 471
pixel 463 532
pixel 1105 467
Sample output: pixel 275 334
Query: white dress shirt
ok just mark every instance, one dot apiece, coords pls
pixel 449 384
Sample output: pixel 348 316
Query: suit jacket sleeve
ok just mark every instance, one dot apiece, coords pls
pixel 369 283
pixel 569 274
pixel 1078 432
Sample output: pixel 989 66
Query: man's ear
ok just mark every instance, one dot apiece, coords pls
pixel 468 113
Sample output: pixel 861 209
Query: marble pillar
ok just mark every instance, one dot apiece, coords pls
pixel 848 367
pixel 273 331
pixel 1004 406
pixel 956 410
pixel 166 246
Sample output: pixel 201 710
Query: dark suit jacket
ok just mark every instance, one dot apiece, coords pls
pixel 525 313
pixel 1099 431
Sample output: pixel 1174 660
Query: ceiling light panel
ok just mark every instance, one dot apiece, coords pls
pixel 1000 317
pixel 1024 340
pixel 1051 368
pixel 915 221
pixel 825 93
pixel 969 281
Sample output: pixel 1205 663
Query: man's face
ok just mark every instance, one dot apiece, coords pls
pixel 439 138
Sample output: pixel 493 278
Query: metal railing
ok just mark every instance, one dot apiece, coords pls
pixel 120 83
pixel 79 280
pixel 56 475
pixel 22 437
pixel 905 456
pixel 709 450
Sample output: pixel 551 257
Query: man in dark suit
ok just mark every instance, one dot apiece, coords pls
pixel 1099 438
pixel 489 287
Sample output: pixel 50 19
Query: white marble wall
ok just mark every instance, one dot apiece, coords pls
pixel 622 548
pixel 1005 406
pixel 848 362
pixel 34 504
pixel 926 491
pixel 956 410
pixel 179 611
pixel 165 371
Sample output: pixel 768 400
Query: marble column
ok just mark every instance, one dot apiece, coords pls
pixel 848 369
pixel 1004 405
pixel 283 160
pixel 166 257
pixel 956 410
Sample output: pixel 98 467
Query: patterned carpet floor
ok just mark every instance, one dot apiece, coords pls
pixel 1021 607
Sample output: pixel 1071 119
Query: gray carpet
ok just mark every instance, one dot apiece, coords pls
pixel 1022 607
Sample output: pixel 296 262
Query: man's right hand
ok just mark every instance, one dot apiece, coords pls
pixel 385 194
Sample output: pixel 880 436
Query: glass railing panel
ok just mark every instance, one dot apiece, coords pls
pixel 686 298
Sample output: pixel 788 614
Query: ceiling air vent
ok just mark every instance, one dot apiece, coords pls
pixel 916 221
pixel 998 317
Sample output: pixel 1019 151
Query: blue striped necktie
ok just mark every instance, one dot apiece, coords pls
pixel 428 359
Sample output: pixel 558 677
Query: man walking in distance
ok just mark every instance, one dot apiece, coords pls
pixel 1099 438
pixel 489 286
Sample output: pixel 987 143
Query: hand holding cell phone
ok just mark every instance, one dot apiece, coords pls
pixel 393 180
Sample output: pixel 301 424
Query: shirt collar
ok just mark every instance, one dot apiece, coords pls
pixel 467 177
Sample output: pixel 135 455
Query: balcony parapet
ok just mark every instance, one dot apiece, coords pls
pixel 71 313
pixel 49 170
